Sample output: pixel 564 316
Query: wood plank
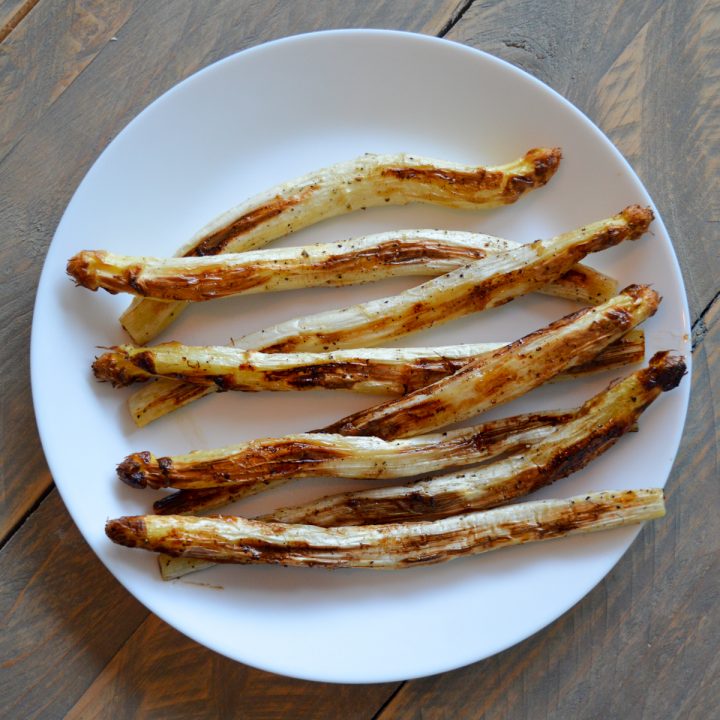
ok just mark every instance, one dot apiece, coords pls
pixel 12 12
pixel 63 615
pixel 35 72
pixel 648 73
pixel 160 44
pixel 643 643
pixel 160 673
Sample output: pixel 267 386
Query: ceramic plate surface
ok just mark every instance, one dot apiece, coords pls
pixel 265 116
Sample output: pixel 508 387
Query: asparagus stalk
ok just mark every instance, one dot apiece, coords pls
pixel 348 262
pixel 394 546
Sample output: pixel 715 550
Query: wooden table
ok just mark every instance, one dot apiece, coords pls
pixel 643 644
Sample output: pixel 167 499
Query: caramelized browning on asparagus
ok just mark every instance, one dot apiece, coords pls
pixel 510 372
pixel 316 454
pixel 370 370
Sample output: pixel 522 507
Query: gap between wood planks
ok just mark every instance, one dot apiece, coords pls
pixel 455 18
pixel 390 699
pixel 16 18
pixel 22 520
pixel 699 328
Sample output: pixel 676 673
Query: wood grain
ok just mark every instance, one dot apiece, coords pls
pixel 160 43
pixel 648 73
pixel 34 73
pixel 63 615
pixel 12 12
pixel 160 673
pixel 643 643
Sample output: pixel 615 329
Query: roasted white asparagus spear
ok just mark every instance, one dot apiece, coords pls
pixel 368 370
pixel 367 181
pixel 347 262
pixel 483 284
pixel 318 454
pixel 238 540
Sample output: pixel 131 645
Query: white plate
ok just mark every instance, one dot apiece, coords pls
pixel 253 120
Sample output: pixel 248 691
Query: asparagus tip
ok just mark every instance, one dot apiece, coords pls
pixel 638 219
pixel 132 470
pixel 665 371
pixel 128 531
